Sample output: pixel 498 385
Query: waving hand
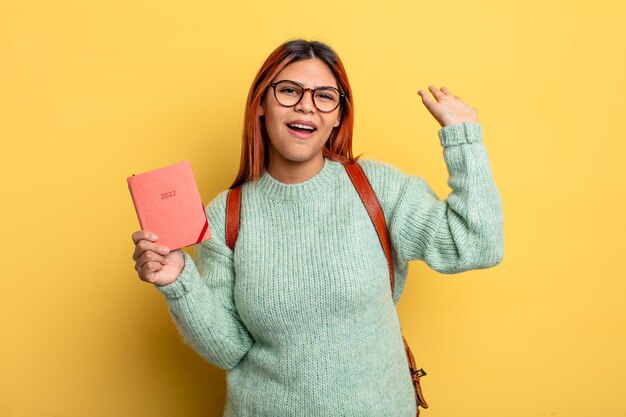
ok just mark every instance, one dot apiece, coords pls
pixel 447 108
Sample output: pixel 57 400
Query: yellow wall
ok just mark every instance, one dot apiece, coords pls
pixel 93 91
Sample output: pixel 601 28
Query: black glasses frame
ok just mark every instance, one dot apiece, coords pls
pixel 304 90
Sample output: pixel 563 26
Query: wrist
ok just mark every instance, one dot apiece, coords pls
pixel 459 133
pixel 184 282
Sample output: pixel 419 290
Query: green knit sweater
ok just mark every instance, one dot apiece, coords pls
pixel 301 314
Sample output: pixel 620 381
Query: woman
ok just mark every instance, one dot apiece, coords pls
pixel 301 313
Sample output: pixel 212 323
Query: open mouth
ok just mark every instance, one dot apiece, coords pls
pixel 300 128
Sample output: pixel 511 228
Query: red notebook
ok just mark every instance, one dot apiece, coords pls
pixel 168 203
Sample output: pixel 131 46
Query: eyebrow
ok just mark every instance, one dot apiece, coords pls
pixel 302 85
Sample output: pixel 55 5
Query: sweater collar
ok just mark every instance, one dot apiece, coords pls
pixel 315 185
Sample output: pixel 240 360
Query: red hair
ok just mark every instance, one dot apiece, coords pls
pixel 254 150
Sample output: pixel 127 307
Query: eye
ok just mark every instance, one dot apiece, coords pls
pixel 327 95
pixel 288 90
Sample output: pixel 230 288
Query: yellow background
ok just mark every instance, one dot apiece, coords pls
pixel 93 91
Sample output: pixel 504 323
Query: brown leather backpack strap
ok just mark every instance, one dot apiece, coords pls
pixel 233 211
pixel 375 211
pixel 415 377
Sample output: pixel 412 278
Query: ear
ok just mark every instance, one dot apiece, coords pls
pixel 261 110
pixel 338 121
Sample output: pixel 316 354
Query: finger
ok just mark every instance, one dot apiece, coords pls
pixel 446 91
pixel 149 256
pixel 143 235
pixel 151 266
pixel 145 245
pixel 435 92
pixel 148 271
pixel 428 102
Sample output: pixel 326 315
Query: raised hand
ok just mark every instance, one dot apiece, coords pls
pixel 447 108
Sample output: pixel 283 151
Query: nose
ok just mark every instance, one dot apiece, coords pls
pixel 306 102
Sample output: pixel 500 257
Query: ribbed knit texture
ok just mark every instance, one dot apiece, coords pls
pixel 301 315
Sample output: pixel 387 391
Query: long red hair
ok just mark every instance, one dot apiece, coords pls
pixel 254 150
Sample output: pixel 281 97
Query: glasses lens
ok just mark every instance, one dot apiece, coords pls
pixel 326 99
pixel 288 93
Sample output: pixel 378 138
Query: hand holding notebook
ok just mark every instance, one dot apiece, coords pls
pixel 168 205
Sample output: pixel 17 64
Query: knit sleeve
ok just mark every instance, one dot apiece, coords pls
pixel 461 233
pixel 201 302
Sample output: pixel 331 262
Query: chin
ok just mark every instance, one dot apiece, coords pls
pixel 300 158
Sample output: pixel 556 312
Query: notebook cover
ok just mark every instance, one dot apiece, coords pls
pixel 168 203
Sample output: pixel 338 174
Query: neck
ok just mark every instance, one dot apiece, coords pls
pixel 294 172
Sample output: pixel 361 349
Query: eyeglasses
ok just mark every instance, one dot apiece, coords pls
pixel 289 93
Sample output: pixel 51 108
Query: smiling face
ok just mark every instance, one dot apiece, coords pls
pixel 294 149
